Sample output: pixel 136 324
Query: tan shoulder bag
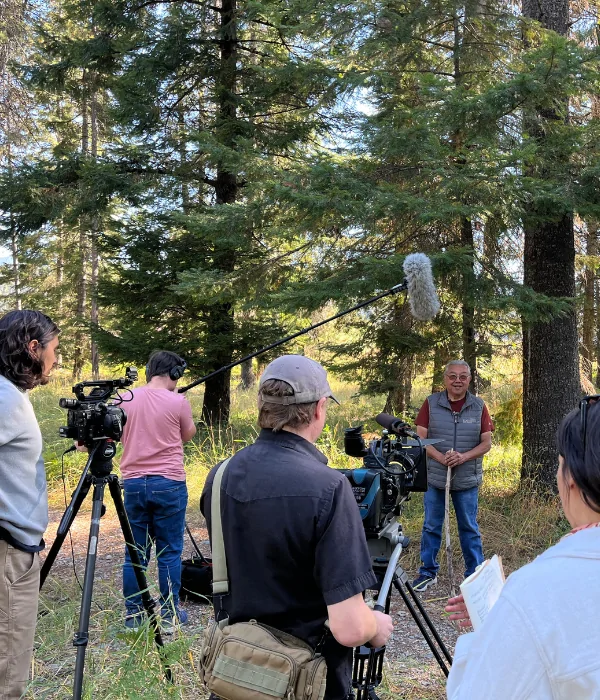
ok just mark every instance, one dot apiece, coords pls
pixel 248 660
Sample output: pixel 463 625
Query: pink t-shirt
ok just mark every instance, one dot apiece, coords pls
pixel 152 444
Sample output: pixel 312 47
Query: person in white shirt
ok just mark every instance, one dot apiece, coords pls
pixel 541 640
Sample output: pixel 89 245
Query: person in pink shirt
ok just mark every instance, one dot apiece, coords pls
pixel 159 421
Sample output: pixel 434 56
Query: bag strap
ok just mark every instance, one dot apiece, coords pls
pixel 220 584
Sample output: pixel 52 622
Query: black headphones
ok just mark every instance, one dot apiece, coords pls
pixel 176 372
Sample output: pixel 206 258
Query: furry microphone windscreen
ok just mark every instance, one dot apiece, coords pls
pixel 422 297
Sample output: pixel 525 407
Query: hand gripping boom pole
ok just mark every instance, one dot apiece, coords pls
pixel 394 290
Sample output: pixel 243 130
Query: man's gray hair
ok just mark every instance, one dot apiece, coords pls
pixel 461 363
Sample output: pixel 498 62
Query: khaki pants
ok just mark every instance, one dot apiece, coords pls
pixel 19 591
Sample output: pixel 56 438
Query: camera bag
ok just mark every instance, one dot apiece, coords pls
pixel 196 580
pixel 196 576
pixel 249 660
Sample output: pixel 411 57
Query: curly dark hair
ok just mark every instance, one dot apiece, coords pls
pixel 17 330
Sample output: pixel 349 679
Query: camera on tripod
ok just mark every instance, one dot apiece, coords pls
pixel 394 466
pixel 89 417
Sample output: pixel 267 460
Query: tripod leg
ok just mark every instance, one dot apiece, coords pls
pixel 429 622
pixel 81 637
pixel 115 492
pixel 65 524
pixel 420 625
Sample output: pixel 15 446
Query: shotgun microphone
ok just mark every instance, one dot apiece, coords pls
pixel 422 297
pixel 395 425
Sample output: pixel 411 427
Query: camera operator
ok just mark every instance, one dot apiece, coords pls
pixel 159 421
pixel 28 346
pixel 296 548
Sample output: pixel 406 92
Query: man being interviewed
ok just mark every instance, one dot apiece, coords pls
pixel 462 424
pixel 296 548
pixel 159 421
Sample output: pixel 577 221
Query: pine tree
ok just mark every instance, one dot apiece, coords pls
pixel 213 110
pixel 550 349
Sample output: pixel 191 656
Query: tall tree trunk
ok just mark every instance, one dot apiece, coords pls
pixel 463 58
pixel 95 229
pixel 398 398
pixel 60 276
pixel 491 256
pixel 588 330
pixel 550 350
pixel 248 378
pixel 469 341
pixel 82 272
pixel 217 393
pixel 14 239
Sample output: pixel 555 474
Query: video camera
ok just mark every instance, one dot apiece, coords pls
pixel 89 417
pixel 394 466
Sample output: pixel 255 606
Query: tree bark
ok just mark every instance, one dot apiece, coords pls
pixel 248 378
pixel 551 383
pixel 398 399
pixel 217 393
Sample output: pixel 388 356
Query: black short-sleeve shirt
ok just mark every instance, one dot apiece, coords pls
pixel 294 542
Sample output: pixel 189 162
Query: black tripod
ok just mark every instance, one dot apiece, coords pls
pixel 97 472
pixel 367 673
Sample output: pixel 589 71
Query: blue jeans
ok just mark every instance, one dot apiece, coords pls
pixel 156 510
pixel 465 507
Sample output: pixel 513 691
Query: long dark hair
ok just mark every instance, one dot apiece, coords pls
pixel 584 469
pixel 17 330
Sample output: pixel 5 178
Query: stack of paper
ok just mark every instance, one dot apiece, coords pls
pixel 482 589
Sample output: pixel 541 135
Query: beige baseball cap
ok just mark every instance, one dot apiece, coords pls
pixel 306 377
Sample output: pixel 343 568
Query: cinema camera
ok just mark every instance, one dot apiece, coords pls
pixel 394 466
pixel 90 417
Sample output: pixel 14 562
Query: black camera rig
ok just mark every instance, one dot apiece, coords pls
pixel 90 417
pixel 394 466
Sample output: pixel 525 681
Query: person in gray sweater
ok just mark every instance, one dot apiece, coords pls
pixel 28 346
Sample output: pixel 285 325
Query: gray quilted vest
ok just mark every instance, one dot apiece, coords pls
pixel 461 432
